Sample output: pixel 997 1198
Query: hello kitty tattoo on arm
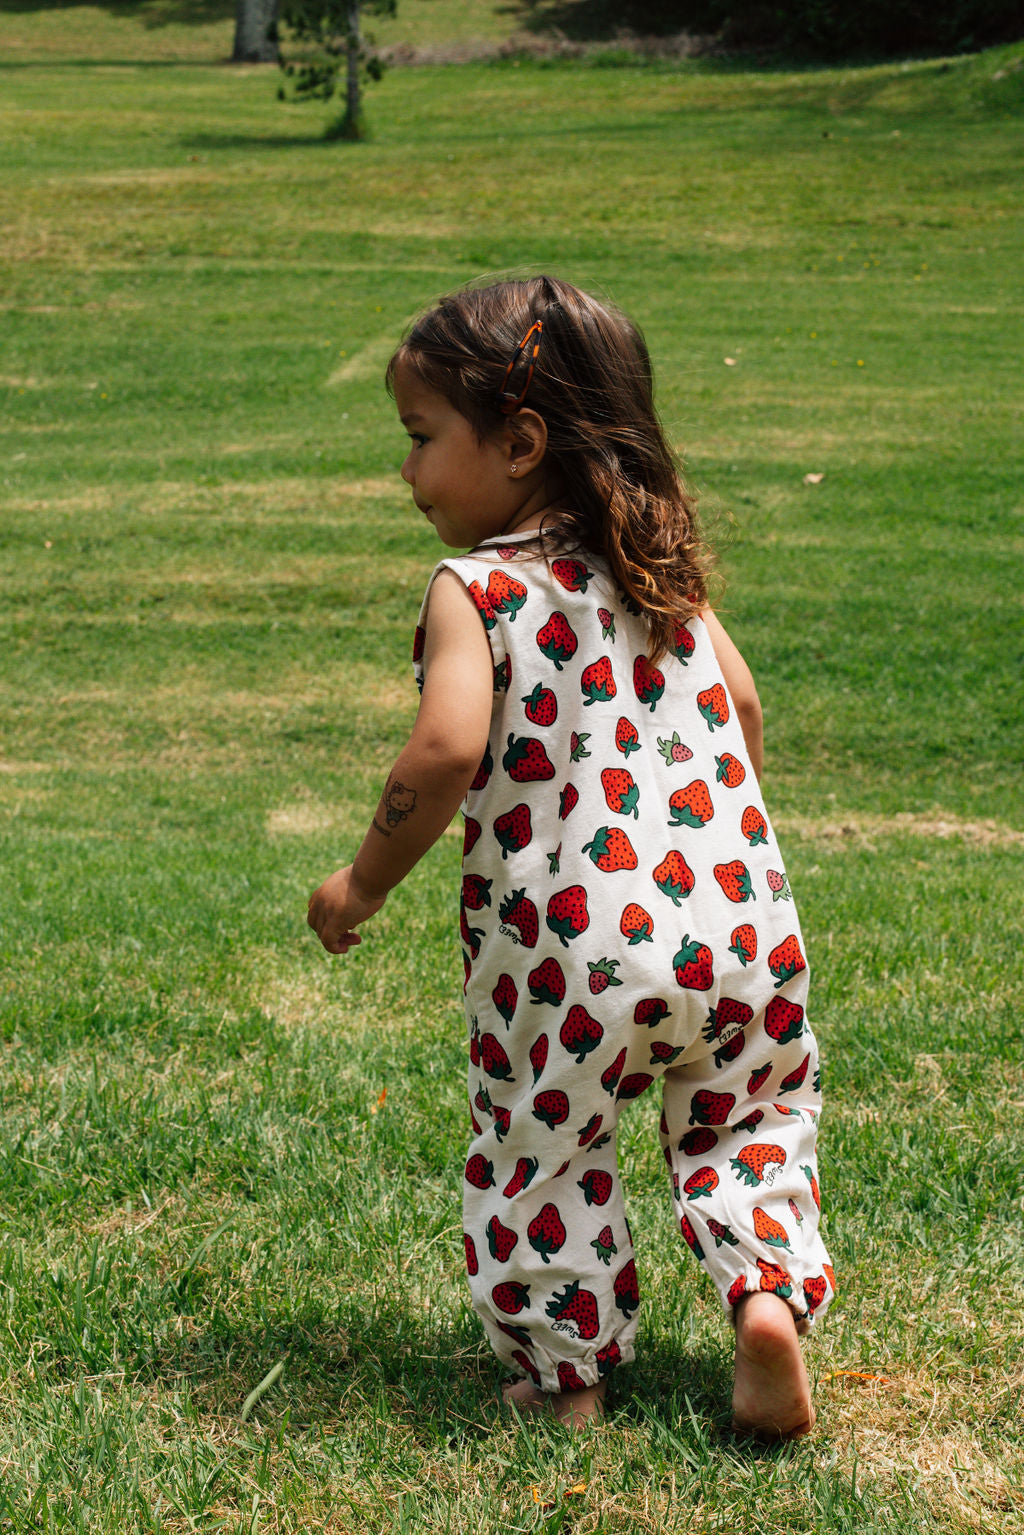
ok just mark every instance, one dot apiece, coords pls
pixel 399 804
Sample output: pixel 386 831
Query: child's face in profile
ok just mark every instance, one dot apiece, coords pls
pixel 465 487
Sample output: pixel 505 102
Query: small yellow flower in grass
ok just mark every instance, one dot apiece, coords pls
pixel 860 362
pixel 814 335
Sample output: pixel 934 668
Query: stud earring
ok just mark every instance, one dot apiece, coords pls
pixel 512 468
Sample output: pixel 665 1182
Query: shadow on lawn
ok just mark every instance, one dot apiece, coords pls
pixel 152 13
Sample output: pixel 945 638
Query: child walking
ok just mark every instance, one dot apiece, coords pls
pixel 625 915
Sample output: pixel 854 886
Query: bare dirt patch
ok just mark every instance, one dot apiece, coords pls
pixel 867 830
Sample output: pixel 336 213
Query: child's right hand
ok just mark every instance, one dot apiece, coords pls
pixel 337 907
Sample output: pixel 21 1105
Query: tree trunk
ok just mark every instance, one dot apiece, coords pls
pixel 353 51
pixel 255 32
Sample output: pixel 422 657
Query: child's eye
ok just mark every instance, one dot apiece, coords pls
pixel 417 439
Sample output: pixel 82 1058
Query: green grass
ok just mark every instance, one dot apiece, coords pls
pixel 210 575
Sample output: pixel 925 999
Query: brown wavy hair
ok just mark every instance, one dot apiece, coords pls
pixel 620 492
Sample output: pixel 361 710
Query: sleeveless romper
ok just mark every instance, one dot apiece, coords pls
pixel 625 918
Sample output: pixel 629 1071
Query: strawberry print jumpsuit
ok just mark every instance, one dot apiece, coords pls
pixel 625 918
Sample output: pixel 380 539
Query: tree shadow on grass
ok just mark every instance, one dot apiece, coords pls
pixel 592 21
pixel 201 143
pixel 152 13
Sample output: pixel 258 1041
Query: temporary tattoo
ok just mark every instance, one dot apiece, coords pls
pixel 399 802
pixel 378 827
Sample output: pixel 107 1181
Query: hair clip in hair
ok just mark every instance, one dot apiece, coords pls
pixel 508 402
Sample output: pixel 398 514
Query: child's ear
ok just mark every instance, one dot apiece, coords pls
pixel 527 439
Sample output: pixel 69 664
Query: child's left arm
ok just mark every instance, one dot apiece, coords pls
pixel 740 682
pixel 431 775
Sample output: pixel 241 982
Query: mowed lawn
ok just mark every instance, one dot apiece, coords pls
pixel 223 1152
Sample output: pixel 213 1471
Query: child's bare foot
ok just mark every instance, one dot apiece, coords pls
pixel 772 1395
pixel 572 1408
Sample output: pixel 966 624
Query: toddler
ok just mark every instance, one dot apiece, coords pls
pixel 625 914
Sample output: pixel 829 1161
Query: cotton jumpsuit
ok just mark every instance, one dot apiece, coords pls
pixel 625 918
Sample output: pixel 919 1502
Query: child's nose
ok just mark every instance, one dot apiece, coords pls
pixel 407 474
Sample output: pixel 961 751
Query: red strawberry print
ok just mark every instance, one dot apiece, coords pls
pixel 602 975
pixel 580 1033
pixel 502 1122
pixel 604 1246
pixel 471 936
pixel 708 1108
pixel 783 1020
pixel 471 836
pixel 557 640
pixel 728 1016
pixel 795 1079
pixel 758 1077
pixel 795 1212
pixel 567 914
pixel 693 965
pixel 547 983
pixel 503 675
pixel 513 830
pixel 649 1012
pixel 526 1363
pixel 722 1234
pixel 482 604
pixel 494 1060
pixel 526 761
pixel 775 1279
pixel 815 1291
pixel 626 738
pixel 730 1050
pixel 734 878
pixel 690 1237
pixel 546 1232
pixel 555 860
pixel 484 771
pixel 691 806
pixel 664 1054
pixel 749 1125
pixel 756 1163
pixel 577 745
pixel 786 960
pixel 713 706
pixel 737 1290
pixel 731 771
pixel 636 924
pixel 511 1297
pixel 701 1184
pixel 505 594
pixel 808 1173
pixel 472 1262
pixel 476 892
pixel 590 1129
pixel 611 850
pixel 778 884
pixel 575 1305
pixel 569 1377
pixel 632 1086
pixel 770 1231
pixel 551 1108
pixel 754 826
pixel 620 791
pixel 571 574
pixel 607 623
pixel 523 1176
pixel 607 1358
pixel 648 682
pixel 697 1143
pixel 541 706
pixel 830 1276
pixel 673 749
pixel 627 1289
pixel 474 1044
pixel 568 800
pixel 611 1074
pixel 597 683
pixel 673 876
pixel 505 997
pixel 743 943
pixel 596 1185
pixel 419 643
pixel 539 1056
pixel 500 1240
pixel 519 919
pixel 480 1172
pixel 683 644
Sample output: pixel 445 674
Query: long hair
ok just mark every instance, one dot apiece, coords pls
pixel 620 494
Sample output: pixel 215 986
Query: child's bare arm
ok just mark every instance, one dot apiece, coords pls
pixel 431 775
pixel 741 687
